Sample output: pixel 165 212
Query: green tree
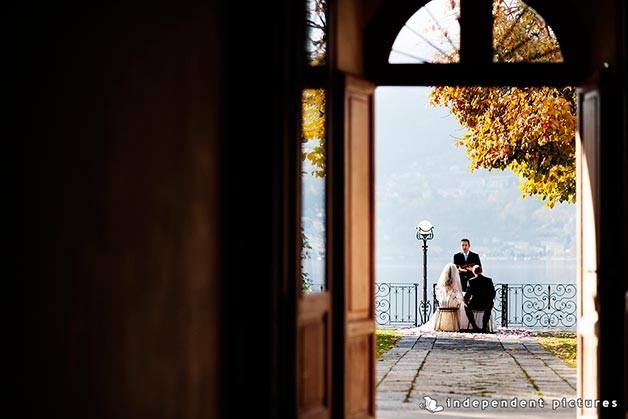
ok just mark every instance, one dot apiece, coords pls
pixel 531 130
pixel 306 281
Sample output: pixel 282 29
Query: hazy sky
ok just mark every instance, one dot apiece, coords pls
pixel 421 174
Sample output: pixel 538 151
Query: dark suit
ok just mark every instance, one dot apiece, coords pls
pixel 472 259
pixel 479 296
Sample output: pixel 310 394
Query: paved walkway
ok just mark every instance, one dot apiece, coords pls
pixel 502 373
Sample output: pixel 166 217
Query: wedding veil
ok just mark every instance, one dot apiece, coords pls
pixel 449 278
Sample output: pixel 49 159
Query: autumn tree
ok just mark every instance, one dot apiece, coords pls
pixel 313 100
pixel 313 126
pixel 313 130
pixel 529 130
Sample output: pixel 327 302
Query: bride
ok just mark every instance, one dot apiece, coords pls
pixel 450 316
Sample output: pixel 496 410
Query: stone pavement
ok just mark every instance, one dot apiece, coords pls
pixel 503 374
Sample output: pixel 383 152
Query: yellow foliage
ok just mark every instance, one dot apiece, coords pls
pixel 313 129
pixel 530 131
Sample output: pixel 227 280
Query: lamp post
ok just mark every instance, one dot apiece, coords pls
pixel 425 232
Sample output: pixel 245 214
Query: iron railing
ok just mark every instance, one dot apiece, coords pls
pixel 524 305
pixel 396 303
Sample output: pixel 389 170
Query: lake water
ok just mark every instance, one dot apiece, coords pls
pixel 502 271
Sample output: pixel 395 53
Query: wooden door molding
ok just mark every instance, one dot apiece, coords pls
pixel 588 209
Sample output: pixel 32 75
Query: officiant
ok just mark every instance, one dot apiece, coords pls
pixel 465 260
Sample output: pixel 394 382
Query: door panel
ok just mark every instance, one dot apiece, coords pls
pixel 313 356
pixel 587 152
pixel 359 266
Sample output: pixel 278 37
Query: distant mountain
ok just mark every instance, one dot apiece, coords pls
pixel 421 174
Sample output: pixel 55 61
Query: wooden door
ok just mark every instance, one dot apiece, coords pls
pixel 588 208
pixel 314 356
pixel 359 321
pixel 336 368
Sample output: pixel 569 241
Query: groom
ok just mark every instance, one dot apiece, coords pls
pixel 479 296
pixel 465 260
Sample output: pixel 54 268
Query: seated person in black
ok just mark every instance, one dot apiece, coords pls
pixel 479 296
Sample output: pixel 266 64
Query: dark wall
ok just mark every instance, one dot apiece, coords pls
pixel 121 170
pixel 158 150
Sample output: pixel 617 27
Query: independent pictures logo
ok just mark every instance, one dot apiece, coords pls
pixel 430 405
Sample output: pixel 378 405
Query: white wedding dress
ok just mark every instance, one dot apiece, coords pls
pixel 447 315
pixel 450 315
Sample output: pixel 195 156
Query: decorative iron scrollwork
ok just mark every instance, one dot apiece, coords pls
pixel 548 305
pixel 528 305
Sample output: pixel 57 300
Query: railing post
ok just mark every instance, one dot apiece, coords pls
pixel 504 305
pixel 416 305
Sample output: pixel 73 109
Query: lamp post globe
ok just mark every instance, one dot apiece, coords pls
pixel 425 230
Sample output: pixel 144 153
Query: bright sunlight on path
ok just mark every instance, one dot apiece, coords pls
pixel 502 373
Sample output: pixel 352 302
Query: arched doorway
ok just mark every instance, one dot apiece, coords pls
pixel 475 66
